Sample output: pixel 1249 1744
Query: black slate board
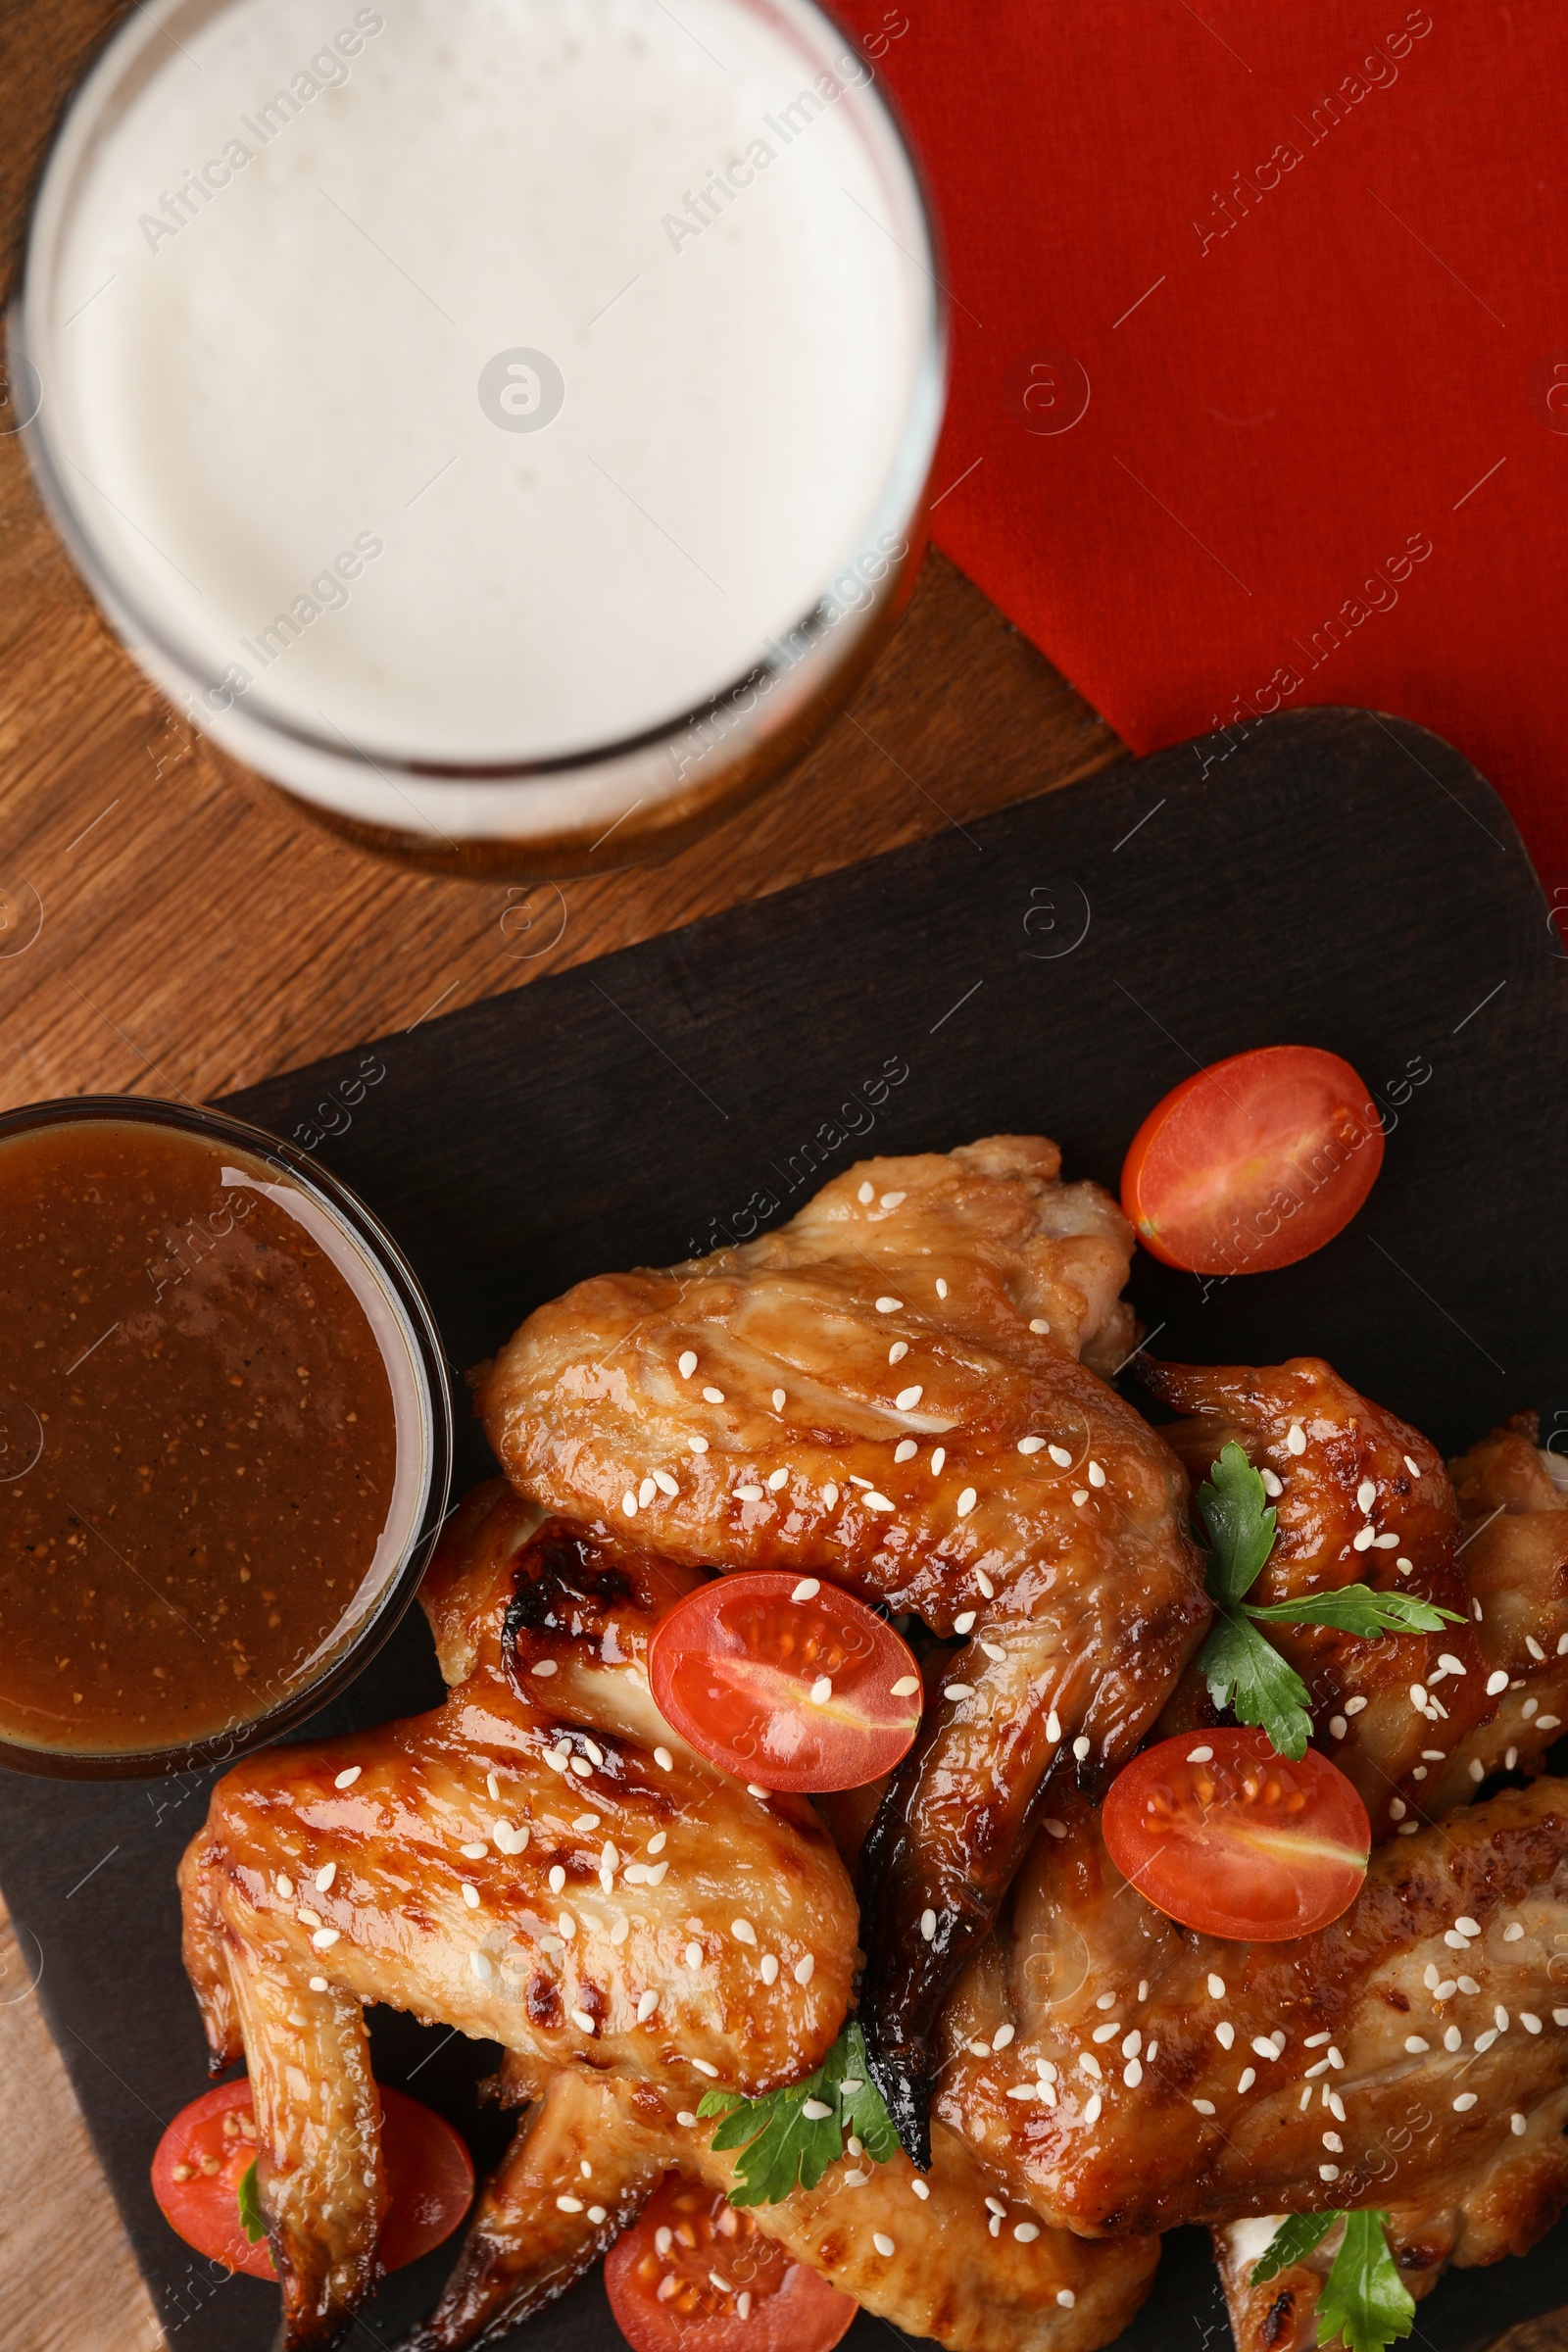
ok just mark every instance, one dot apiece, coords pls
pixel 1328 876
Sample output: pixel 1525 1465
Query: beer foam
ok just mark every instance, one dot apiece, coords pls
pixel 475 380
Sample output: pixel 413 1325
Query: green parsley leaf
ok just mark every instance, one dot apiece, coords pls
pixel 249 2207
pixel 781 2144
pixel 1291 2242
pixel 1245 1672
pixel 1357 1609
pixel 1367 2304
pixel 1241 1525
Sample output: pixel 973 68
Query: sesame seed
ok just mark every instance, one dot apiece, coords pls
pixel 663 1758
pixel 743 1931
pixel 1364 1538
pixel 1026 2233
pixel 1314 2041
pixel 1031 1445
pixel 713 1395
pixel 908 1398
pixel 768 1971
pixel 906 1450
pixel 1517 2126
pixel 1001 2037
pixel 1273 1486
pixel 883 2244
pixel 1080 1496
pixel 1092 2112
pixel 347 1779
pixel 966 1502
pixel 584 2022
pixel 1334 2057
pixel 1064 2294
pixel 557 1879
pixel 1199 1755
pixel 1052 1725
pixel 703 2068
pixel 1452 2038
pixel 1097 1476
pixel 1249 2075
pixel 1296 1438
pixel 1060 1457
pixel 1496 1683
pixel 1513 1930
pixel 1216 1988
pixel 1038 1326
pixel 1547 1723
pixel 1476 1768
pixel 866 1195
pixel 1366 1494
pixel 546 1667
pixel 1055 1829
pixel 1205 2106
pixel 1468 1927
pixel 1398 1808
pixel 628 1504
pixel 958 1691
pixel 665 1482
pixel 479 1962
pixel 874 1501
pixel 697 1444
pixel 888 1306
pixel 686 2118
pixel 470 1895
pixel 1416 2044
pixel 919 2188
pixel 830 1496
pixel 906 1686
pixel 1080 1746
pixel 965 1623
pixel 1483 2041
pixel 566 1926
pixel 898 1351
pixel 816 2110
pixel 1334 2144
pixel 1530 2021
pixel 1354 1706
pixel 748 1493
pixel 646 1493
pixel 1464 2102
pixel 987 1587
pixel 821 1690
pixel 805 1969
pixel 474 1852
pixel 1267 2049
pixel 325 1938
pixel 1328 2172
pixel 317 1983
pixel 285 1886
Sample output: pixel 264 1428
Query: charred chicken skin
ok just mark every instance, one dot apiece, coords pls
pixel 896 1391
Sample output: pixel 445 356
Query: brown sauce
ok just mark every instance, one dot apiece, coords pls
pixel 213 1440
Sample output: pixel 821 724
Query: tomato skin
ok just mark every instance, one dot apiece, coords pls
pixel 733 1665
pixel 1255 1162
pixel 1254 1869
pixel 792 2309
pixel 429 2179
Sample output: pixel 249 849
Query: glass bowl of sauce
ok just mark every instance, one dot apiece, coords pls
pixel 225 1437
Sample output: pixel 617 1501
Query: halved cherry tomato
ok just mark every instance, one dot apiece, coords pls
pixel 1222 1834
pixel 1253 1162
pixel 785 1680
pixel 663 2278
pixel 429 2177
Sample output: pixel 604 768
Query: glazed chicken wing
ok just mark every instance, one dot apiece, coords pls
pixel 960 2265
pixel 539 1863
pixel 1123 2074
pixel 894 1390
pixel 1360 1498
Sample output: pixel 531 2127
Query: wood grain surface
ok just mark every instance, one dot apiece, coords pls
pixel 164 930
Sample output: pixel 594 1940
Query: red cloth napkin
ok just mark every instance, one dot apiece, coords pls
pixel 1308 264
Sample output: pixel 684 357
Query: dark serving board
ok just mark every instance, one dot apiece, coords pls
pixel 1328 878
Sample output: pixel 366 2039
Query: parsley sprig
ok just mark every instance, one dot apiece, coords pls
pixel 1244 1671
pixel 250 2204
pixel 1364 2302
pixel 781 2143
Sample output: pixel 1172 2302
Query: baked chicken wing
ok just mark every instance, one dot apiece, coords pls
pixel 539 1863
pixel 895 1390
pixel 1359 1497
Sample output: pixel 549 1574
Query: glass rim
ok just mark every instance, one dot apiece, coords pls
pixel 434 1386
pixel 899 498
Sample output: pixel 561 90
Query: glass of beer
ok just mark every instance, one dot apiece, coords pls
pixel 503 424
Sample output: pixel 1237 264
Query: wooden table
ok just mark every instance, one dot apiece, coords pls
pixel 164 931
